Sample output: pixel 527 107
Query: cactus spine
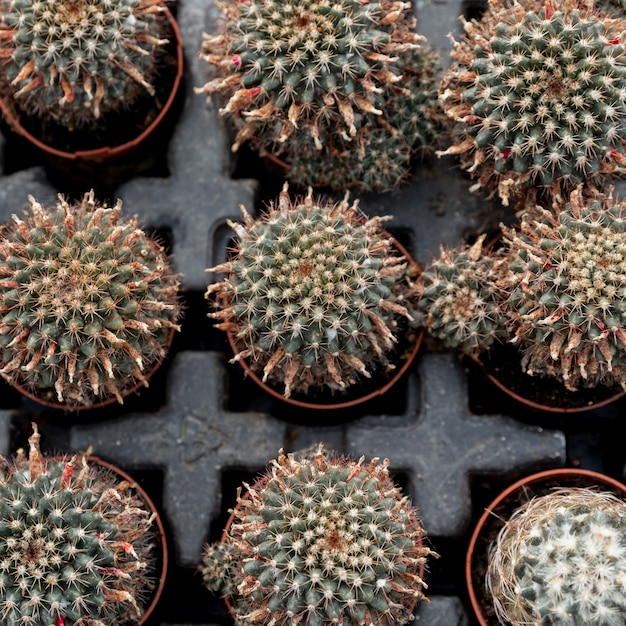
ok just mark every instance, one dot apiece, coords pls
pixel 561 560
pixel 76 544
pixel 313 294
pixel 76 60
pixel 322 540
pixel 88 302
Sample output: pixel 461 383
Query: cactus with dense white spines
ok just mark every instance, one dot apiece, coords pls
pixel 560 559
pixel 75 544
pixel 77 60
pixel 313 295
pixel 539 99
pixel 322 540
pixel 88 302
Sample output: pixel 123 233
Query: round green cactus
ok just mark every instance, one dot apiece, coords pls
pixel 539 99
pixel 561 560
pixel 323 540
pixel 461 293
pixel 75 60
pixel 88 302
pixel 313 295
pixel 567 304
pixel 75 544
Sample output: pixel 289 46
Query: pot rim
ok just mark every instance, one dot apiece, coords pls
pixel 341 404
pixel 537 477
pixel 108 153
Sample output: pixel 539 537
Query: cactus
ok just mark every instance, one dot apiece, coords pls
pixel 379 156
pixel 539 99
pixel 322 540
pixel 313 295
pixel 88 302
pixel 319 76
pixel 460 298
pixel 76 543
pixel 77 60
pixel 567 300
pixel 561 560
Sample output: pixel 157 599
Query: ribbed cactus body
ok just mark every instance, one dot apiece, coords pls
pixel 539 99
pixel 568 296
pixel 313 295
pixel 325 540
pixel 88 302
pixel 460 298
pixel 75 60
pixel 561 560
pixel 73 545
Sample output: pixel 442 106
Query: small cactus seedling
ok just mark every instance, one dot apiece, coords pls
pixel 321 540
pixel 317 77
pixel 77 60
pixel 460 298
pixel 313 295
pixel 567 295
pixel 88 303
pixel 561 560
pixel 539 99
pixel 76 543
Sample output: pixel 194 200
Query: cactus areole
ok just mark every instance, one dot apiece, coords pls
pixel 88 303
pixel 321 540
pixel 313 294
pixel 78 545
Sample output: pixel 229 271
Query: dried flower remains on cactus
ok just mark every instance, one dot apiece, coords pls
pixel 313 295
pixel 539 99
pixel 309 81
pixel 561 560
pixel 75 60
pixel 77 543
pixel 88 302
pixel 320 540
pixel 567 302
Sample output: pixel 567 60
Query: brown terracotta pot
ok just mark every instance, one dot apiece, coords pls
pixel 370 389
pixel 106 153
pixel 495 515
pixel 52 404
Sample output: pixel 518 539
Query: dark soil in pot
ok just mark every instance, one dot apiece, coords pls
pixel 502 364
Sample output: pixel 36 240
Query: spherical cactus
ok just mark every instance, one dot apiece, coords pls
pixel 460 298
pixel 539 99
pixel 313 295
pixel 323 540
pixel 568 296
pixel 561 560
pixel 319 72
pixel 75 60
pixel 76 544
pixel 88 303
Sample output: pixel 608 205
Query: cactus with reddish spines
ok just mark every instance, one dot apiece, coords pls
pixel 320 540
pixel 88 302
pixel 314 294
pixel 77 60
pixel 77 543
pixel 538 95
pixel 560 559
pixel 567 298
